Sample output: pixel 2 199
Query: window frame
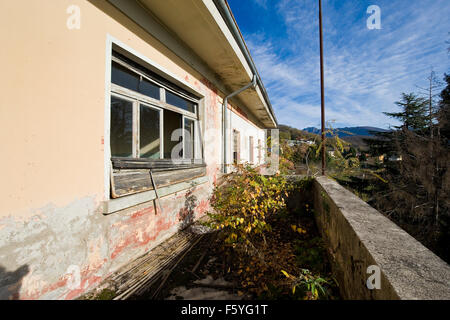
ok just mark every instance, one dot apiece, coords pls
pixel 251 156
pixel 160 105
pixel 236 146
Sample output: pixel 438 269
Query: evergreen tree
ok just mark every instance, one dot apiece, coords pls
pixel 414 112
pixel 444 112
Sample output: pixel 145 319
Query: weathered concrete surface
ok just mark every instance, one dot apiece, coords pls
pixel 207 291
pixel 359 236
pixel 46 257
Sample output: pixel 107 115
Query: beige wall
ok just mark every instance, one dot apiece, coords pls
pixel 52 124
pixel 52 109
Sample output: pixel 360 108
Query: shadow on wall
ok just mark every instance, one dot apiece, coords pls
pixel 187 214
pixel 11 282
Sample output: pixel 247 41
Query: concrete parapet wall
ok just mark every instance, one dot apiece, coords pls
pixel 358 236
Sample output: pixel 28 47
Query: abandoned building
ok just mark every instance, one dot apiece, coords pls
pixel 119 116
pixel 103 101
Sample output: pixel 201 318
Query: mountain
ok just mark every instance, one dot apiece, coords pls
pixel 349 131
pixel 290 133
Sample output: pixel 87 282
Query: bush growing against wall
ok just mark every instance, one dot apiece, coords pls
pixel 243 202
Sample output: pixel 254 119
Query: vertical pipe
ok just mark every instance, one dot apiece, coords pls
pixel 322 91
pixel 227 122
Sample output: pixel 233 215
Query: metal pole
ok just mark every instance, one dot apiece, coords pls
pixel 322 92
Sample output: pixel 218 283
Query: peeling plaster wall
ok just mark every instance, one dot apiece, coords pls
pixel 52 230
pixel 40 257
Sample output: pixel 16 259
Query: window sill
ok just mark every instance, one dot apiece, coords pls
pixel 125 202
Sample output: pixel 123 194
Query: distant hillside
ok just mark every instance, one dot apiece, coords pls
pixel 349 131
pixel 290 133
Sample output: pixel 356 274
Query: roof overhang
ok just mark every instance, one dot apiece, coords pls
pixel 200 27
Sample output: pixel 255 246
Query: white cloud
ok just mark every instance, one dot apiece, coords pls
pixel 365 70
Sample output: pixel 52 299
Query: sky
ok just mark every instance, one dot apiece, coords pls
pixel 366 70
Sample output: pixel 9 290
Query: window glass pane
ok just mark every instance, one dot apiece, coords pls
pixel 149 133
pixel 172 128
pixel 121 127
pixel 149 89
pixel 124 77
pixel 179 102
pixel 189 138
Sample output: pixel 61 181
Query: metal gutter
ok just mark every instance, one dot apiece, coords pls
pixel 227 15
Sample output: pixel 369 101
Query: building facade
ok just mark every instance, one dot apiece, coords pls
pixel 104 101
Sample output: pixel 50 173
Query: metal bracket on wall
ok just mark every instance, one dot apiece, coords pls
pixel 156 191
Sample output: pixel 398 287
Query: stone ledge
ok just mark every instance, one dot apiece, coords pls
pixel 359 236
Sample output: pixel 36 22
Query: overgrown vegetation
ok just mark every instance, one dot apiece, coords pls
pixel 416 157
pixel 403 173
pixel 243 203
pixel 271 250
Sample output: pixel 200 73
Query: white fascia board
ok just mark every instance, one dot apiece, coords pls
pixel 228 35
pixel 260 95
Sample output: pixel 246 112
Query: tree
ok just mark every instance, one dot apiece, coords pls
pixel 431 92
pixel 416 196
pixel 413 116
pixel 443 113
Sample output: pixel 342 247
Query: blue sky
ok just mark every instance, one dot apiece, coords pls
pixel 365 70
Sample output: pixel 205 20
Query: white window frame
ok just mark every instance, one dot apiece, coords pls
pixel 113 43
pixel 160 105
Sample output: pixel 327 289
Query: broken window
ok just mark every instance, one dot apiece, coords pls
pixel 153 123
pixel 173 135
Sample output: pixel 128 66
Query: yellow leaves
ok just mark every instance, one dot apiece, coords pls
pixel 287 275
pixel 298 229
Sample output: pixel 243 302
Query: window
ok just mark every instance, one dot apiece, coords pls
pixel 149 129
pixel 236 147
pixel 153 123
pixel 121 127
pixel 259 151
pixel 148 119
pixel 189 138
pixel 250 146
